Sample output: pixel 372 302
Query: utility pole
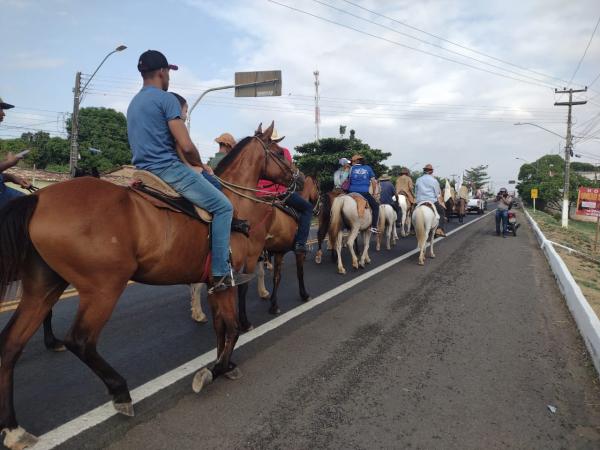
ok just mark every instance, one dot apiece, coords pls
pixel 568 149
pixel 317 110
pixel 74 154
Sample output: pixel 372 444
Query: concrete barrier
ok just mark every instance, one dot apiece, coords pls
pixel 585 317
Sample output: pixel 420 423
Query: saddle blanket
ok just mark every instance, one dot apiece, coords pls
pixel 430 205
pixel 361 203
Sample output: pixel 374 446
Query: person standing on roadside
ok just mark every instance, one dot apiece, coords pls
pixel 6 193
pixel 504 204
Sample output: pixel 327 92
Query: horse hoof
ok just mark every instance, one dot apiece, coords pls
pixel 305 298
pixel 432 256
pixel 342 271
pixel 234 374
pixel 318 259
pixel 421 263
pixel 202 378
pixel 247 327
pixel 264 295
pixel 200 318
pixel 56 346
pixel 124 408
pixel 274 311
pixel 18 439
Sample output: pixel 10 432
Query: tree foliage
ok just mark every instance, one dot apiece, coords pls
pixel 477 176
pixel 321 159
pixel 547 175
pixel 105 130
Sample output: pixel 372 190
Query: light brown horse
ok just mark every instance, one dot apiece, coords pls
pixel 96 236
pixel 280 240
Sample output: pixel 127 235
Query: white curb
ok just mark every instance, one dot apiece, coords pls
pixel 585 317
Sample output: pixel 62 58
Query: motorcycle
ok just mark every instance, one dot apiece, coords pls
pixel 512 225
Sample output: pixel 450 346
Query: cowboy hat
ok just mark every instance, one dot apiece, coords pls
pixel 404 171
pixel 5 105
pixel 275 136
pixel 384 177
pixel 357 157
pixel 428 168
pixel 226 139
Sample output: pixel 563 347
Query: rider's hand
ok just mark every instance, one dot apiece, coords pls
pixel 22 182
pixel 208 169
pixel 12 159
pixel 197 169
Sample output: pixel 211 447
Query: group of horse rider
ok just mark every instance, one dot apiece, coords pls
pixel 354 176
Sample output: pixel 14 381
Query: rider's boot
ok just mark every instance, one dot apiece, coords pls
pixel 230 280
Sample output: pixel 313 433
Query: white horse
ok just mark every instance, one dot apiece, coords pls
pixel 406 221
pixel 345 211
pixel 425 221
pixel 387 226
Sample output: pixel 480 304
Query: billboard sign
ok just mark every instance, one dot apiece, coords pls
pixel 588 202
pixel 266 83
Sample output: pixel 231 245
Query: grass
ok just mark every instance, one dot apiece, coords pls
pixel 579 236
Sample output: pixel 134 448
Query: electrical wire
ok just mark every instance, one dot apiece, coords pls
pixel 585 51
pixel 408 46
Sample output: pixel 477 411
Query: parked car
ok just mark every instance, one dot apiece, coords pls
pixel 476 205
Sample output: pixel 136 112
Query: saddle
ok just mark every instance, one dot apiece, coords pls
pixel 288 210
pixel 361 204
pixel 429 205
pixel 162 196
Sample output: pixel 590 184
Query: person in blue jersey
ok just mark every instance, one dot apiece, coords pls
pixel 154 128
pixel 361 178
pixel 428 190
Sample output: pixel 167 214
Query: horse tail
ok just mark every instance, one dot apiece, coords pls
pixel 382 218
pixel 420 226
pixel 337 222
pixel 15 241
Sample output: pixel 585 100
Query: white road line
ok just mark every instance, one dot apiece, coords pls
pixel 98 415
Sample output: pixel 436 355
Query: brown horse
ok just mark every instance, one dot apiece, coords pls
pixel 96 236
pixel 280 240
pixel 461 208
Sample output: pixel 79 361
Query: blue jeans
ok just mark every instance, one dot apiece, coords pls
pixel 305 209
pixel 501 215
pixel 198 190
pixel 6 193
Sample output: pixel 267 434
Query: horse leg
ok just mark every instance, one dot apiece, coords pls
pixel 245 324
pixel 226 328
pixel 431 239
pixel 260 281
pixel 351 240
pixel 196 305
pixel 365 254
pixel 50 340
pixel 338 248
pixel 278 262
pixel 42 288
pixel 300 257
pixel 95 308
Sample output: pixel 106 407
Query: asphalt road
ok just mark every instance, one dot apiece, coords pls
pixel 466 352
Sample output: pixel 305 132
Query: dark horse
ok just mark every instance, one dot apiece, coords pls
pixel 97 236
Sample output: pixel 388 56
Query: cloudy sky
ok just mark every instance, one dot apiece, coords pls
pixel 431 81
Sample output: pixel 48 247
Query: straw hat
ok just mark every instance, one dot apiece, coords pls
pixel 384 177
pixel 226 139
pixel 357 157
pixel 275 136
pixel 428 168
pixel 404 171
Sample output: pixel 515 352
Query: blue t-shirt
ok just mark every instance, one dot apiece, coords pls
pixel 150 139
pixel 360 178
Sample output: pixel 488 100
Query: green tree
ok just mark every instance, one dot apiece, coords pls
pixel 105 130
pixel 477 176
pixel 547 175
pixel 321 159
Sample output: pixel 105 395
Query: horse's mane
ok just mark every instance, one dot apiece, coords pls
pixel 232 155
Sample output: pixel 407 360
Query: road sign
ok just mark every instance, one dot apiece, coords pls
pixel 534 193
pixel 268 83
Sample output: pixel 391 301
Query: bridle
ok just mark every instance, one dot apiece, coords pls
pixel 290 188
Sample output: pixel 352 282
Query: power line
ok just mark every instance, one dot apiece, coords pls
pixel 427 43
pixel 407 46
pixel 585 51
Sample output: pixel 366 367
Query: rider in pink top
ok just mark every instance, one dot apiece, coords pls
pixel 268 187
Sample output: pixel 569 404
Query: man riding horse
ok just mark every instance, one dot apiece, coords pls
pixel 154 126
pixel 405 186
pixel 428 190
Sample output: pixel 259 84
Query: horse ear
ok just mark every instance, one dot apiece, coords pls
pixel 268 132
pixel 258 130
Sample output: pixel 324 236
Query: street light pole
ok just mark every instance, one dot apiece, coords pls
pixel 77 94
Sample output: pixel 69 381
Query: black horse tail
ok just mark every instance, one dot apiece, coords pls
pixel 15 242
